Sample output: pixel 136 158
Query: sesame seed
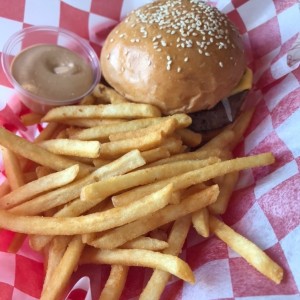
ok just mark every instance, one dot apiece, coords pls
pixel 171 18
pixel 111 40
pixel 186 59
pixel 178 70
pixel 221 64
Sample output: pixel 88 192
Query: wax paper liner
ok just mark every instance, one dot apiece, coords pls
pixel 265 206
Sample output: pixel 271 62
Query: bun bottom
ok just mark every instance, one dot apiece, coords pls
pixel 217 117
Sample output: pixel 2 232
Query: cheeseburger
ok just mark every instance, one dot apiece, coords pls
pixel 181 56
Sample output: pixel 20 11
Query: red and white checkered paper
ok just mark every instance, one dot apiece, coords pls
pixel 266 204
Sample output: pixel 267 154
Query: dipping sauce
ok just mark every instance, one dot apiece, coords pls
pixel 52 72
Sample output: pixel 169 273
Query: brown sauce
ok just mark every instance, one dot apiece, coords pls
pixel 52 72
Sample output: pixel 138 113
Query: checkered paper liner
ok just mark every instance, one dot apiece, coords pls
pixel 266 204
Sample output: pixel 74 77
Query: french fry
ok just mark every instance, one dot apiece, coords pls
pixel 90 122
pixel 31 119
pixel 248 250
pixel 188 156
pixel 89 149
pixel 240 126
pixel 166 128
pixel 102 132
pixel 226 189
pixel 37 154
pixel 196 188
pixel 159 278
pixel 155 154
pixel 50 131
pixel 173 145
pixel 121 110
pixel 56 251
pixel 88 223
pixel 110 186
pixel 148 155
pixel 209 135
pixel 40 242
pixel 200 221
pixel 63 271
pixel 197 176
pixel 16 180
pixel 221 141
pixel 139 257
pixel 118 236
pixel 189 137
pixel 115 283
pixel 4 188
pixel 44 184
pixel 13 169
pixel 65 194
pixel 108 95
pixel 102 206
pixel 144 176
pixel 117 148
pixel 146 243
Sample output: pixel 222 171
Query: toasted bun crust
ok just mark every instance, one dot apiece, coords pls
pixel 179 55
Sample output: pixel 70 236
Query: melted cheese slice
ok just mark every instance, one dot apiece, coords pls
pixel 244 84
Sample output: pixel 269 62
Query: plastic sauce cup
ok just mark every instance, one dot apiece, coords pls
pixel 38 35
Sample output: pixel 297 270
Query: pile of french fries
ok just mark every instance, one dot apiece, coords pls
pixel 113 182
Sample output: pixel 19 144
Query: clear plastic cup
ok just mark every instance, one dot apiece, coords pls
pixel 38 35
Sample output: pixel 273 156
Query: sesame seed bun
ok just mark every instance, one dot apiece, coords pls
pixel 180 55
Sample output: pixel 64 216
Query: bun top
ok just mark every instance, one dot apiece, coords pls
pixel 180 55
